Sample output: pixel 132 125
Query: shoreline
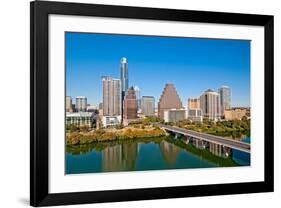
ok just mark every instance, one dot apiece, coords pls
pixel 75 138
pixel 204 153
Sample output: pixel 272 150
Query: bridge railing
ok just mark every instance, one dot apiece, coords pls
pixel 203 134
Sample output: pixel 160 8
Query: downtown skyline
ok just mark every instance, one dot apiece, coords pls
pixel 189 63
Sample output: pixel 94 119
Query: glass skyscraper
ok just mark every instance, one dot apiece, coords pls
pixel 124 74
pixel 81 103
pixel 124 82
pixel 148 105
pixel 225 98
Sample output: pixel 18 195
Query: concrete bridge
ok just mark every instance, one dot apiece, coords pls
pixel 213 140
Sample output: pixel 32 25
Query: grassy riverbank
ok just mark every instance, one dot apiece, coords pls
pixel 103 135
pixel 235 129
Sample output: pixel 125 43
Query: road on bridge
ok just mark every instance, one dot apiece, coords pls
pixel 238 145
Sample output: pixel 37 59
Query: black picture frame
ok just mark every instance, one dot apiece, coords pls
pixel 39 99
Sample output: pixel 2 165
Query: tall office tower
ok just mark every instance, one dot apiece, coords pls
pixel 111 96
pixel 193 103
pixel 81 103
pixel 148 105
pixel 124 74
pixel 210 104
pixel 138 96
pixel 130 104
pixel 68 104
pixel 225 98
pixel 124 81
pixel 168 100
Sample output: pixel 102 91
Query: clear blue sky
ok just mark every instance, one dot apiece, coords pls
pixel 192 64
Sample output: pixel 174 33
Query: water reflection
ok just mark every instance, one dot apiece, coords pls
pixel 169 152
pixel 119 157
pixel 145 154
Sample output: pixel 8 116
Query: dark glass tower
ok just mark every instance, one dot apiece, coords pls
pixel 130 104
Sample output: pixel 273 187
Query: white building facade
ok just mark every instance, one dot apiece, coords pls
pixel 80 119
pixel 174 115
pixel 110 121
pixel 210 105
pixel 195 115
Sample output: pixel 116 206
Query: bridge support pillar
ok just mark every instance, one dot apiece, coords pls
pixel 216 149
pixel 220 150
pixel 198 143
pixel 166 132
pixel 226 152
pixel 187 139
pixel 205 144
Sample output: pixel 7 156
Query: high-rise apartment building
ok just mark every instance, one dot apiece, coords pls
pixel 68 104
pixel 168 100
pixel 225 98
pixel 148 105
pixel 81 104
pixel 194 111
pixel 210 104
pixel 130 104
pixel 193 103
pixel 111 96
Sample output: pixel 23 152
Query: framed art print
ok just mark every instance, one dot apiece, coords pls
pixel 131 103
